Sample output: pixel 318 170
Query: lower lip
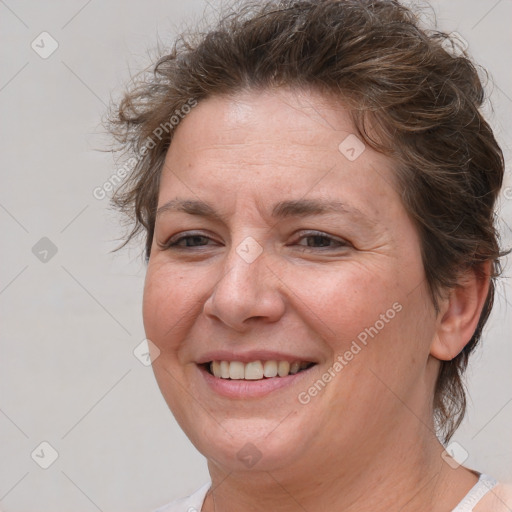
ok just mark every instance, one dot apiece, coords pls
pixel 249 388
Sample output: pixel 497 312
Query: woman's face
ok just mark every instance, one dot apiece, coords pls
pixel 280 239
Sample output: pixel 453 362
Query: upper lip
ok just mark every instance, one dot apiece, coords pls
pixel 252 355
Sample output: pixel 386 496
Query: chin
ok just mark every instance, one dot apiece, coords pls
pixel 248 444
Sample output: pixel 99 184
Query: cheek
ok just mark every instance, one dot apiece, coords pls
pixel 170 301
pixel 368 315
pixel 341 302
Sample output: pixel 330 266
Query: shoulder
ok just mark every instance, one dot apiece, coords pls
pixel 192 503
pixel 499 499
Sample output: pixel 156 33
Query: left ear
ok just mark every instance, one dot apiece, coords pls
pixel 460 312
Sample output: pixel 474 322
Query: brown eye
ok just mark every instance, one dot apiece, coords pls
pixel 320 240
pixel 191 241
pixel 188 241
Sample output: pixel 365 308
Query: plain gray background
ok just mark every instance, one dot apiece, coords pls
pixel 71 320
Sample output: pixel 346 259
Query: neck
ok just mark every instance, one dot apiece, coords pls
pixel 392 472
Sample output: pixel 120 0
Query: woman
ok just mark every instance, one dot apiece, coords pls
pixel 316 187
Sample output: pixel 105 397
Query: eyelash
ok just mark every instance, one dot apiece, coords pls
pixel 172 243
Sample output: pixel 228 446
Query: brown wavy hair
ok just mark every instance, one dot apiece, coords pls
pixel 415 88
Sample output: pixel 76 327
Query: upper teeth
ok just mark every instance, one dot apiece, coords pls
pixel 255 370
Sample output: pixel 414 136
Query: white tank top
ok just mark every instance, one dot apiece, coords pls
pixel 476 493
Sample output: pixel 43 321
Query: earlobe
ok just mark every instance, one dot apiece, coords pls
pixel 460 312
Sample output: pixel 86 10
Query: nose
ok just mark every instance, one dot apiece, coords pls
pixel 245 293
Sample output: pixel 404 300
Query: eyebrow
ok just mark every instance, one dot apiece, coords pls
pixel 281 210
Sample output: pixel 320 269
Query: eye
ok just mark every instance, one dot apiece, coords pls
pixel 319 240
pixel 185 241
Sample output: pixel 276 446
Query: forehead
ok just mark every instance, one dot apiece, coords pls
pixel 273 144
pixel 299 118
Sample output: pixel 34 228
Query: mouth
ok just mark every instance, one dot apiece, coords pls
pixel 255 374
pixel 255 370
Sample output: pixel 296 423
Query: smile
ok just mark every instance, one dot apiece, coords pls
pixel 253 379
